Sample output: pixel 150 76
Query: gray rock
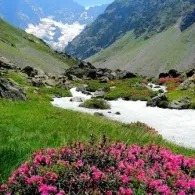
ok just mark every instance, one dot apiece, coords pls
pixel 188 83
pixel 98 114
pixel 37 82
pixel 74 78
pixel 6 64
pixel 50 82
pixel 11 90
pixel 104 79
pixel 82 88
pixel 41 76
pixel 87 71
pixel 30 71
pixel 118 113
pixel 3 71
pixel 98 94
pixel 183 103
pixel 160 101
pixel 86 92
pixel 51 76
pixel 77 99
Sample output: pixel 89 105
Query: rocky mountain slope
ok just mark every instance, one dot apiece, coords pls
pixel 162 52
pixel 139 27
pixel 24 49
pixel 54 22
pixel 94 2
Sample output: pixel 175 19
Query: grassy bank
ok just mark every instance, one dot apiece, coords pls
pixel 35 124
pixel 129 89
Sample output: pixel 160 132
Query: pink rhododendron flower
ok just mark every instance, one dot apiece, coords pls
pixel 109 192
pixel 79 163
pixel 164 190
pixel 103 168
pixel 125 178
pixel 34 178
pixel 125 191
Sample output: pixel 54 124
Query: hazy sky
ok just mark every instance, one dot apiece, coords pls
pixel 93 2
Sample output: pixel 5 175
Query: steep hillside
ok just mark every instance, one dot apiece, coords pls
pixel 164 51
pixel 137 20
pixel 24 49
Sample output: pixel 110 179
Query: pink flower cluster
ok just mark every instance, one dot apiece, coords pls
pixel 104 168
pixel 169 79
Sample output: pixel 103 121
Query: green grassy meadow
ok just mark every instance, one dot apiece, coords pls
pixel 30 125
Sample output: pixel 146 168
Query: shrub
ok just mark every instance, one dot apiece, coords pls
pixel 96 104
pixel 103 168
pixel 168 79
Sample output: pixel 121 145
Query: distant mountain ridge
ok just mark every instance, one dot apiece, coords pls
pixel 22 13
pixel 141 16
pixel 142 36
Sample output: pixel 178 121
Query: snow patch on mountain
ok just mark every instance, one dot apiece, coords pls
pixel 55 33
pixel 92 6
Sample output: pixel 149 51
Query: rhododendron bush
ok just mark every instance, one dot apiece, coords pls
pixel 168 79
pixel 104 168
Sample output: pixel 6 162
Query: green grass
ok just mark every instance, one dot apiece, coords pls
pixel 30 125
pixel 55 91
pixel 178 94
pixel 126 89
pixel 17 77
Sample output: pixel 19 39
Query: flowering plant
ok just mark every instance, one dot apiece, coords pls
pixel 168 79
pixel 110 168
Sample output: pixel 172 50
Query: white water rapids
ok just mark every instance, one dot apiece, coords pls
pixel 174 125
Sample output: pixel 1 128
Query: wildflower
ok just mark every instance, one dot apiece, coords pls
pixel 45 189
pixel 34 179
pixel 109 192
pixel 3 188
pixel 79 163
pixel 164 190
pixel 125 191
pixel 125 179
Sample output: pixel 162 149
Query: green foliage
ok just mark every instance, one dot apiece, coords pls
pixel 129 89
pixel 55 91
pixel 95 104
pixel 17 77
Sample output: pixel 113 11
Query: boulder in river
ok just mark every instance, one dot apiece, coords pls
pixel 77 99
pixel 98 94
pixel 11 90
pixel 158 101
pixel 98 114
pixel 183 103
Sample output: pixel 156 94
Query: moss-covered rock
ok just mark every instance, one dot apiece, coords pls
pixel 96 104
